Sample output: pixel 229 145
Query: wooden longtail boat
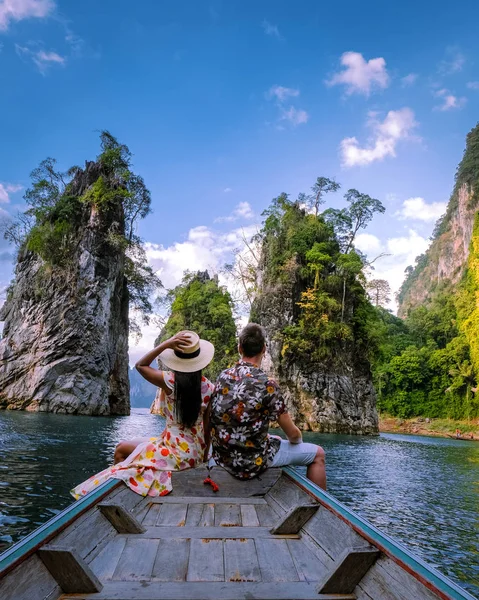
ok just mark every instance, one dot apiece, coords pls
pixel 274 537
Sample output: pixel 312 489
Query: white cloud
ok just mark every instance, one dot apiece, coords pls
pixel 453 63
pixel 420 210
pixel 449 101
pixel 398 125
pixel 473 85
pixel 402 252
pixel 17 10
pixel 7 189
pixel 282 93
pixel 41 58
pixel 295 116
pixel 227 190
pixel 409 79
pixel 203 249
pixel 361 76
pixel 271 29
pixel 242 211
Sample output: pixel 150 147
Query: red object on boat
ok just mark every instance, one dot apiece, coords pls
pixel 209 481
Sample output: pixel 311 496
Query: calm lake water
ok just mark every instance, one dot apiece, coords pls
pixel 422 491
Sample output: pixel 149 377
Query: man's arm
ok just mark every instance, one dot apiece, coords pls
pixel 292 432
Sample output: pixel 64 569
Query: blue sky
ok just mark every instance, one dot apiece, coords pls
pixel 227 104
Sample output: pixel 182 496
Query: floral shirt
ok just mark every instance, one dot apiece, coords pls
pixel 244 403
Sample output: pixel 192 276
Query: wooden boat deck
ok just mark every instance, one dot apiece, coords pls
pixel 200 545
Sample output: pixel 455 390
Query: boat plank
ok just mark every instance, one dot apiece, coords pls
pixel 227 515
pixel 193 516
pixel 307 563
pixel 88 536
pixel 151 516
pixel 172 515
pixel 241 561
pixel 348 571
pixel 210 591
pixel 69 570
pixel 190 483
pixel 137 560
pixel 249 518
pixel 388 578
pixel 29 581
pixel 275 560
pixel 206 499
pixel 333 534
pixel 105 563
pixel 295 518
pixel 171 562
pixel 266 516
pixel 287 494
pixel 122 520
pixel 208 516
pixel 206 561
pixel 168 533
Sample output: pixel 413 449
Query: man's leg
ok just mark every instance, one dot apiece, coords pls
pixel 304 454
pixel 316 471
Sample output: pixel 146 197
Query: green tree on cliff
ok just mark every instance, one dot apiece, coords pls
pixel 200 304
pixel 50 225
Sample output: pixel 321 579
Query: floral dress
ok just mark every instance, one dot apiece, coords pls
pixel 147 471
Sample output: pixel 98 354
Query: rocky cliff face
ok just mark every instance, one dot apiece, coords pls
pixel 446 259
pixel 339 400
pixel 65 337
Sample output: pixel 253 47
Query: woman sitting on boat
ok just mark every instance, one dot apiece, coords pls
pixel 145 464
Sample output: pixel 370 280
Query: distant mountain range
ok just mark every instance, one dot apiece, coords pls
pixel 142 393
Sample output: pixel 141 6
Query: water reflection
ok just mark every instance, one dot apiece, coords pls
pixel 423 491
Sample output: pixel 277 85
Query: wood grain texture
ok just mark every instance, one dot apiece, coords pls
pixel 105 563
pixel 172 515
pixel 215 499
pixel 241 561
pixel 295 518
pixel 266 516
pixel 249 517
pixel 227 515
pixel 169 533
pixel 194 514
pixel 275 560
pixel 210 591
pixel 31 580
pixel 69 570
pixel 349 570
pixel 120 518
pixel 137 560
pixel 309 567
pixel 151 516
pixel 206 561
pixel 171 562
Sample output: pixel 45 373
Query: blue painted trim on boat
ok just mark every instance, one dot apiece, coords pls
pixel 392 548
pixel 45 532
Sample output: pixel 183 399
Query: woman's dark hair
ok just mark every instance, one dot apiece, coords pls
pixel 187 397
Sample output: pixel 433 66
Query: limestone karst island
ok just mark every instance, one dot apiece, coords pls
pixel 239 300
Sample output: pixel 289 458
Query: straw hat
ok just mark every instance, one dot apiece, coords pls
pixel 196 355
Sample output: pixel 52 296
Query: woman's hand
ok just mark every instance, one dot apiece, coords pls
pixel 178 342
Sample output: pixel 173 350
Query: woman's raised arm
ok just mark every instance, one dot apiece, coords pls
pixel 155 376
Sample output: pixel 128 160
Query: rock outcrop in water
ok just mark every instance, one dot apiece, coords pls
pixel 65 337
pixel 319 397
pixel 312 303
pixel 80 268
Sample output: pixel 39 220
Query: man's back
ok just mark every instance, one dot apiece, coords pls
pixel 245 401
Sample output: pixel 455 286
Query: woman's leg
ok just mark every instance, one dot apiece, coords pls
pixel 125 448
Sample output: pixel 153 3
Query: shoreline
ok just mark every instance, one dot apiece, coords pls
pixel 445 428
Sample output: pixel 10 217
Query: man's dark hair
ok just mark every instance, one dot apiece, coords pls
pixel 252 339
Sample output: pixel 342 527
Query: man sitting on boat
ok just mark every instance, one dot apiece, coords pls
pixel 244 404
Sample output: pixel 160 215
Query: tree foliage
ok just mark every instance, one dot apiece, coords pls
pixel 314 253
pixel 200 304
pixel 57 211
